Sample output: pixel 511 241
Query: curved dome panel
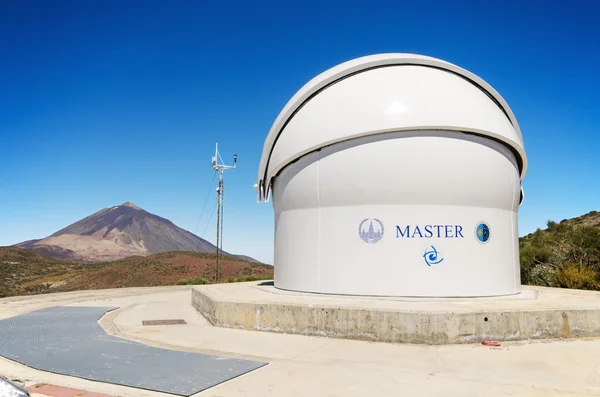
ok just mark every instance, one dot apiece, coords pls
pixel 386 93
pixel 395 175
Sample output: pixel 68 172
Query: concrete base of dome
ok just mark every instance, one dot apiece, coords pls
pixel 535 313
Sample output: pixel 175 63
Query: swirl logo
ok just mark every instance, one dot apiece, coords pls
pixel 482 232
pixel 432 256
pixel 370 234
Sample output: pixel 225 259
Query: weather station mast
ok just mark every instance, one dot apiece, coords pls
pixel 219 165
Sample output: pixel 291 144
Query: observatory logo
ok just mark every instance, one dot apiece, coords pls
pixel 432 256
pixel 482 232
pixel 370 230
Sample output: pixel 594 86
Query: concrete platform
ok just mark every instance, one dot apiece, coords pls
pixel 536 313
pixel 314 366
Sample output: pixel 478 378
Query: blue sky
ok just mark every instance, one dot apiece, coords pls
pixel 103 102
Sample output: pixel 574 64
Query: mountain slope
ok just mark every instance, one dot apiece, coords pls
pixel 566 254
pixel 27 272
pixel 115 233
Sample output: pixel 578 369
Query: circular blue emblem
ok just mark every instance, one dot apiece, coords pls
pixel 482 232
pixel 370 232
pixel 432 256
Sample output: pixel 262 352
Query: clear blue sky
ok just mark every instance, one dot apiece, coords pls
pixel 103 102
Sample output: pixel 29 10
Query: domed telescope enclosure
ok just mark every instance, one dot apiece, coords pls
pixel 395 175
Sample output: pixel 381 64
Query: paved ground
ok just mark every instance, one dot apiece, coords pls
pixel 69 340
pixel 302 366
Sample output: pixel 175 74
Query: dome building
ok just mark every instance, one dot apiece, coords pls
pixel 395 175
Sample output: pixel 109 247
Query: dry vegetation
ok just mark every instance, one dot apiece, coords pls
pixel 26 272
pixel 566 254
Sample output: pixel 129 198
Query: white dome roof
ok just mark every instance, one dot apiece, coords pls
pixel 386 93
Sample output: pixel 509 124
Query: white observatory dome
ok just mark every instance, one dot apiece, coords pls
pixel 395 175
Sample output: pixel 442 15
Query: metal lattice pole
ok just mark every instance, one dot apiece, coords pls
pixel 218 227
pixel 221 168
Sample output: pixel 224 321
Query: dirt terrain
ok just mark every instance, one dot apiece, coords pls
pixel 25 272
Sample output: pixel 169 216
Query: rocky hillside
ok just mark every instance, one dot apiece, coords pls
pixel 116 233
pixel 566 254
pixel 27 272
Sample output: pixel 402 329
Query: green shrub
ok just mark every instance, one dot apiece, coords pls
pixel 249 277
pixel 543 275
pixel 193 281
pixel 566 254
pixel 537 265
pixel 574 275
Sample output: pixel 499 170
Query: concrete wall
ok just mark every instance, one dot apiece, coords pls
pixel 427 326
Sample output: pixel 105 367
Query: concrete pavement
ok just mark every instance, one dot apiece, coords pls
pixel 307 365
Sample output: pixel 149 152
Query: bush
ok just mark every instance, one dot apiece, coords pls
pixel 193 281
pixel 577 276
pixel 543 275
pixel 250 277
pixel 566 254
pixel 536 265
